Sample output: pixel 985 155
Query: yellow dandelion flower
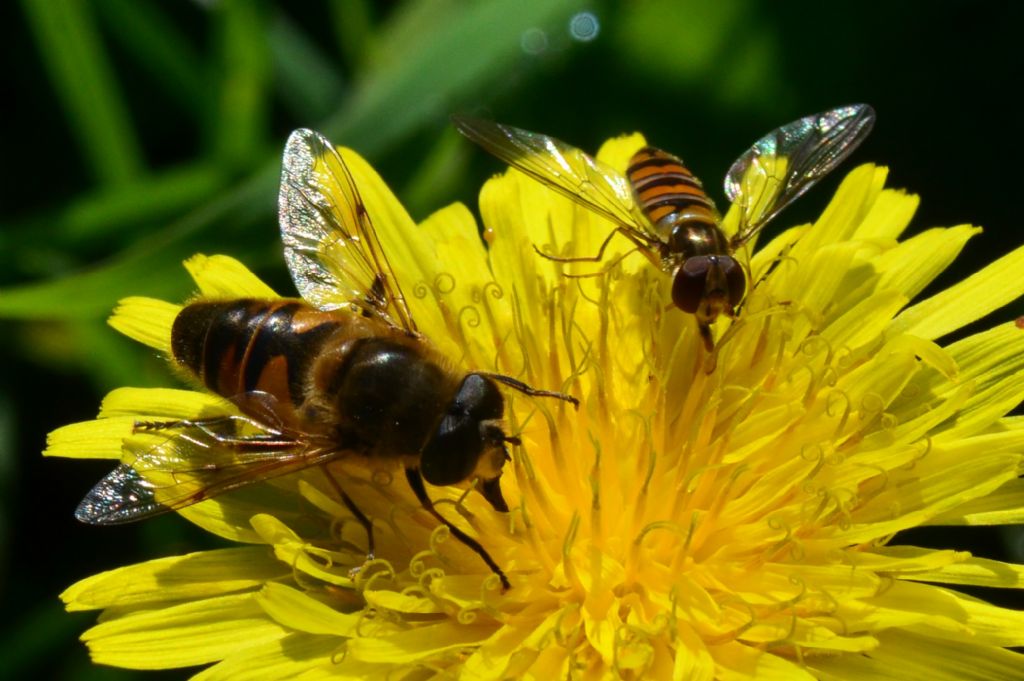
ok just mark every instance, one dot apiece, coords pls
pixel 682 524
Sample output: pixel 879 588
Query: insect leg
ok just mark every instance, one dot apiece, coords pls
pixel 351 506
pixel 416 483
pixel 607 269
pixel 581 258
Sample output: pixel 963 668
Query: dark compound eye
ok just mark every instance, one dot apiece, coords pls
pixel 735 279
pixel 689 283
pixel 702 276
pixel 452 452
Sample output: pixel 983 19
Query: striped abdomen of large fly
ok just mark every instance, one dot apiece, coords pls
pixel 335 374
pixel 674 202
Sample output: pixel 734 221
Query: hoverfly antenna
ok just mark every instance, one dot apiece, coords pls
pixel 516 384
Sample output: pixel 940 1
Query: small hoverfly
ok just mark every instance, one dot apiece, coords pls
pixel 662 208
pixel 341 372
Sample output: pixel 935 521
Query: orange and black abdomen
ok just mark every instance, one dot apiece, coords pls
pixel 664 187
pixel 245 345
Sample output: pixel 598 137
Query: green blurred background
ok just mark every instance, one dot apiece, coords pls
pixel 140 133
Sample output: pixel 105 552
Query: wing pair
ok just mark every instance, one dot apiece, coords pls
pixel 773 173
pixel 192 461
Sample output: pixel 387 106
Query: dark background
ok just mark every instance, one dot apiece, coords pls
pixel 142 133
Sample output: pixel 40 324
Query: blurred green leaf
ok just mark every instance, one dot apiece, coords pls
pixel 107 212
pixel 679 40
pixel 158 47
pixel 469 45
pixel 87 347
pixel 150 267
pixel 461 47
pixel 353 27
pixel 92 293
pixel 307 79
pixel 408 27
pixel 719 46
pixel 753 75
pixel 244 83
pixel 82 77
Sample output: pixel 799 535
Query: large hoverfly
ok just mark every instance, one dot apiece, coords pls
pixel 662 208
pixel 341 372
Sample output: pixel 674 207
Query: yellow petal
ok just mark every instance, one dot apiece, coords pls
pixel 164 404
pixel 617 151
pixel 819 276
pixel 401 602
pixel 192 633
pixel 975 572
pixel 228 515
pixel 493 659
pixel 177 578
pixel 224 278
pixel 926 496
pixel 528 348
pixel 692 660
pixel 736 662
pixel 146 320
pixel 994 360
pixel 1004 506
pixel 906 561
pixel 418 643
pixel 458 305
pixel 888 216
pixel 950 615
pixel 966 301
pixel 846 211
pixel 296 610
pixel 286 658
pixel 121 409
pixel 290 548
pixel 903 655
pixel 90 439
pixel 915 263
pixel 863 323
pixel 991 624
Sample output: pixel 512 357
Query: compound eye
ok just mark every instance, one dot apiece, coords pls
pixel 452 451
pixel 690 282
pixel 735 279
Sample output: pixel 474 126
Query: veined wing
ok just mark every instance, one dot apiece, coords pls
pixel 195 461
pixel 788 161
pixel 330 243
pixel 564 168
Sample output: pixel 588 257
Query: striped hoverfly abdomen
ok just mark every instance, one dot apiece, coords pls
pixel 662 208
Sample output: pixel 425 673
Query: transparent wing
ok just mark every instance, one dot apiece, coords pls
pixel 192 461
pixel 330 244
pixel 564 168
pixel 786 162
